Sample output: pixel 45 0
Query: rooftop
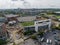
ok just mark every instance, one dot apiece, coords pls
pixel 2 19
pixel 11 15
pixel 57 12
pixel 27 23
pixel 28 18
pixel 40 18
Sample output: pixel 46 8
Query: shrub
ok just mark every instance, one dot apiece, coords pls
pixel 2 42
pixel 41 33
pixel 14 43
pixel 29 32
pixel 33 37
pixel 56 27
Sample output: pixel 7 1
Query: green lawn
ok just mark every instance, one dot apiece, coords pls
pixel 27 23
pixel 49 15
pixel 58 17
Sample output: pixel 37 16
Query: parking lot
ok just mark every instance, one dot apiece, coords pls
pixel 51 35
pixel 48 35
pixel 30 42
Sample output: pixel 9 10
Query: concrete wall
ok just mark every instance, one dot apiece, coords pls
pixel 43 23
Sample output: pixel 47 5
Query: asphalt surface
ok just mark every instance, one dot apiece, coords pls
pixel 50 35
pixel 30 42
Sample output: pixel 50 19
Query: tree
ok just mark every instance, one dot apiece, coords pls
pixel 41 33
pixel 29 32
pixel 2 42
pixel 34 37
pixel 58 28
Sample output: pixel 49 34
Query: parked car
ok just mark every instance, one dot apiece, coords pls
pixel 57 40
pixel 42 39
pixel 49 41
pixel 54 33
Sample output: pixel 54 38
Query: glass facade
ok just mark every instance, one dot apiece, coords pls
pixel 42 27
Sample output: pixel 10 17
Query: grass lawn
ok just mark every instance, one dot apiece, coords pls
pixel 27 23
pixel 49 15
pixel 58 17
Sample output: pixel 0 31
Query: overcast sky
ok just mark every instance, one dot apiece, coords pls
pixel 4 4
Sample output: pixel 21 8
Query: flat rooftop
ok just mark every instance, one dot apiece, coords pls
pixel 29 23
pixel 2 19
pixel 57 12
pixel 11 15
pixel 40 18
pixel 27 18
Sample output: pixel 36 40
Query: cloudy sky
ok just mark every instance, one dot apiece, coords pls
pixel 4 4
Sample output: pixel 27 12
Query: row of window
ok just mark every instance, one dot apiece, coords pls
pixel 39 28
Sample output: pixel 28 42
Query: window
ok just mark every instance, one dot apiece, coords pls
pixel 40 22
pixel 0 36
pixel 47 21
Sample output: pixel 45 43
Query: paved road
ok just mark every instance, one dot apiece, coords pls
pixel 30 42
pixel 50 35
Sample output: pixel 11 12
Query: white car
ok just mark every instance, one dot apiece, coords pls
pixel 49 41
pixel 42 39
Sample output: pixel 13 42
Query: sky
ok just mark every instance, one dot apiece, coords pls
pixel 7 4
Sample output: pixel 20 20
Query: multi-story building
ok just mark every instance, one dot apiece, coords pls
pixel 38 23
